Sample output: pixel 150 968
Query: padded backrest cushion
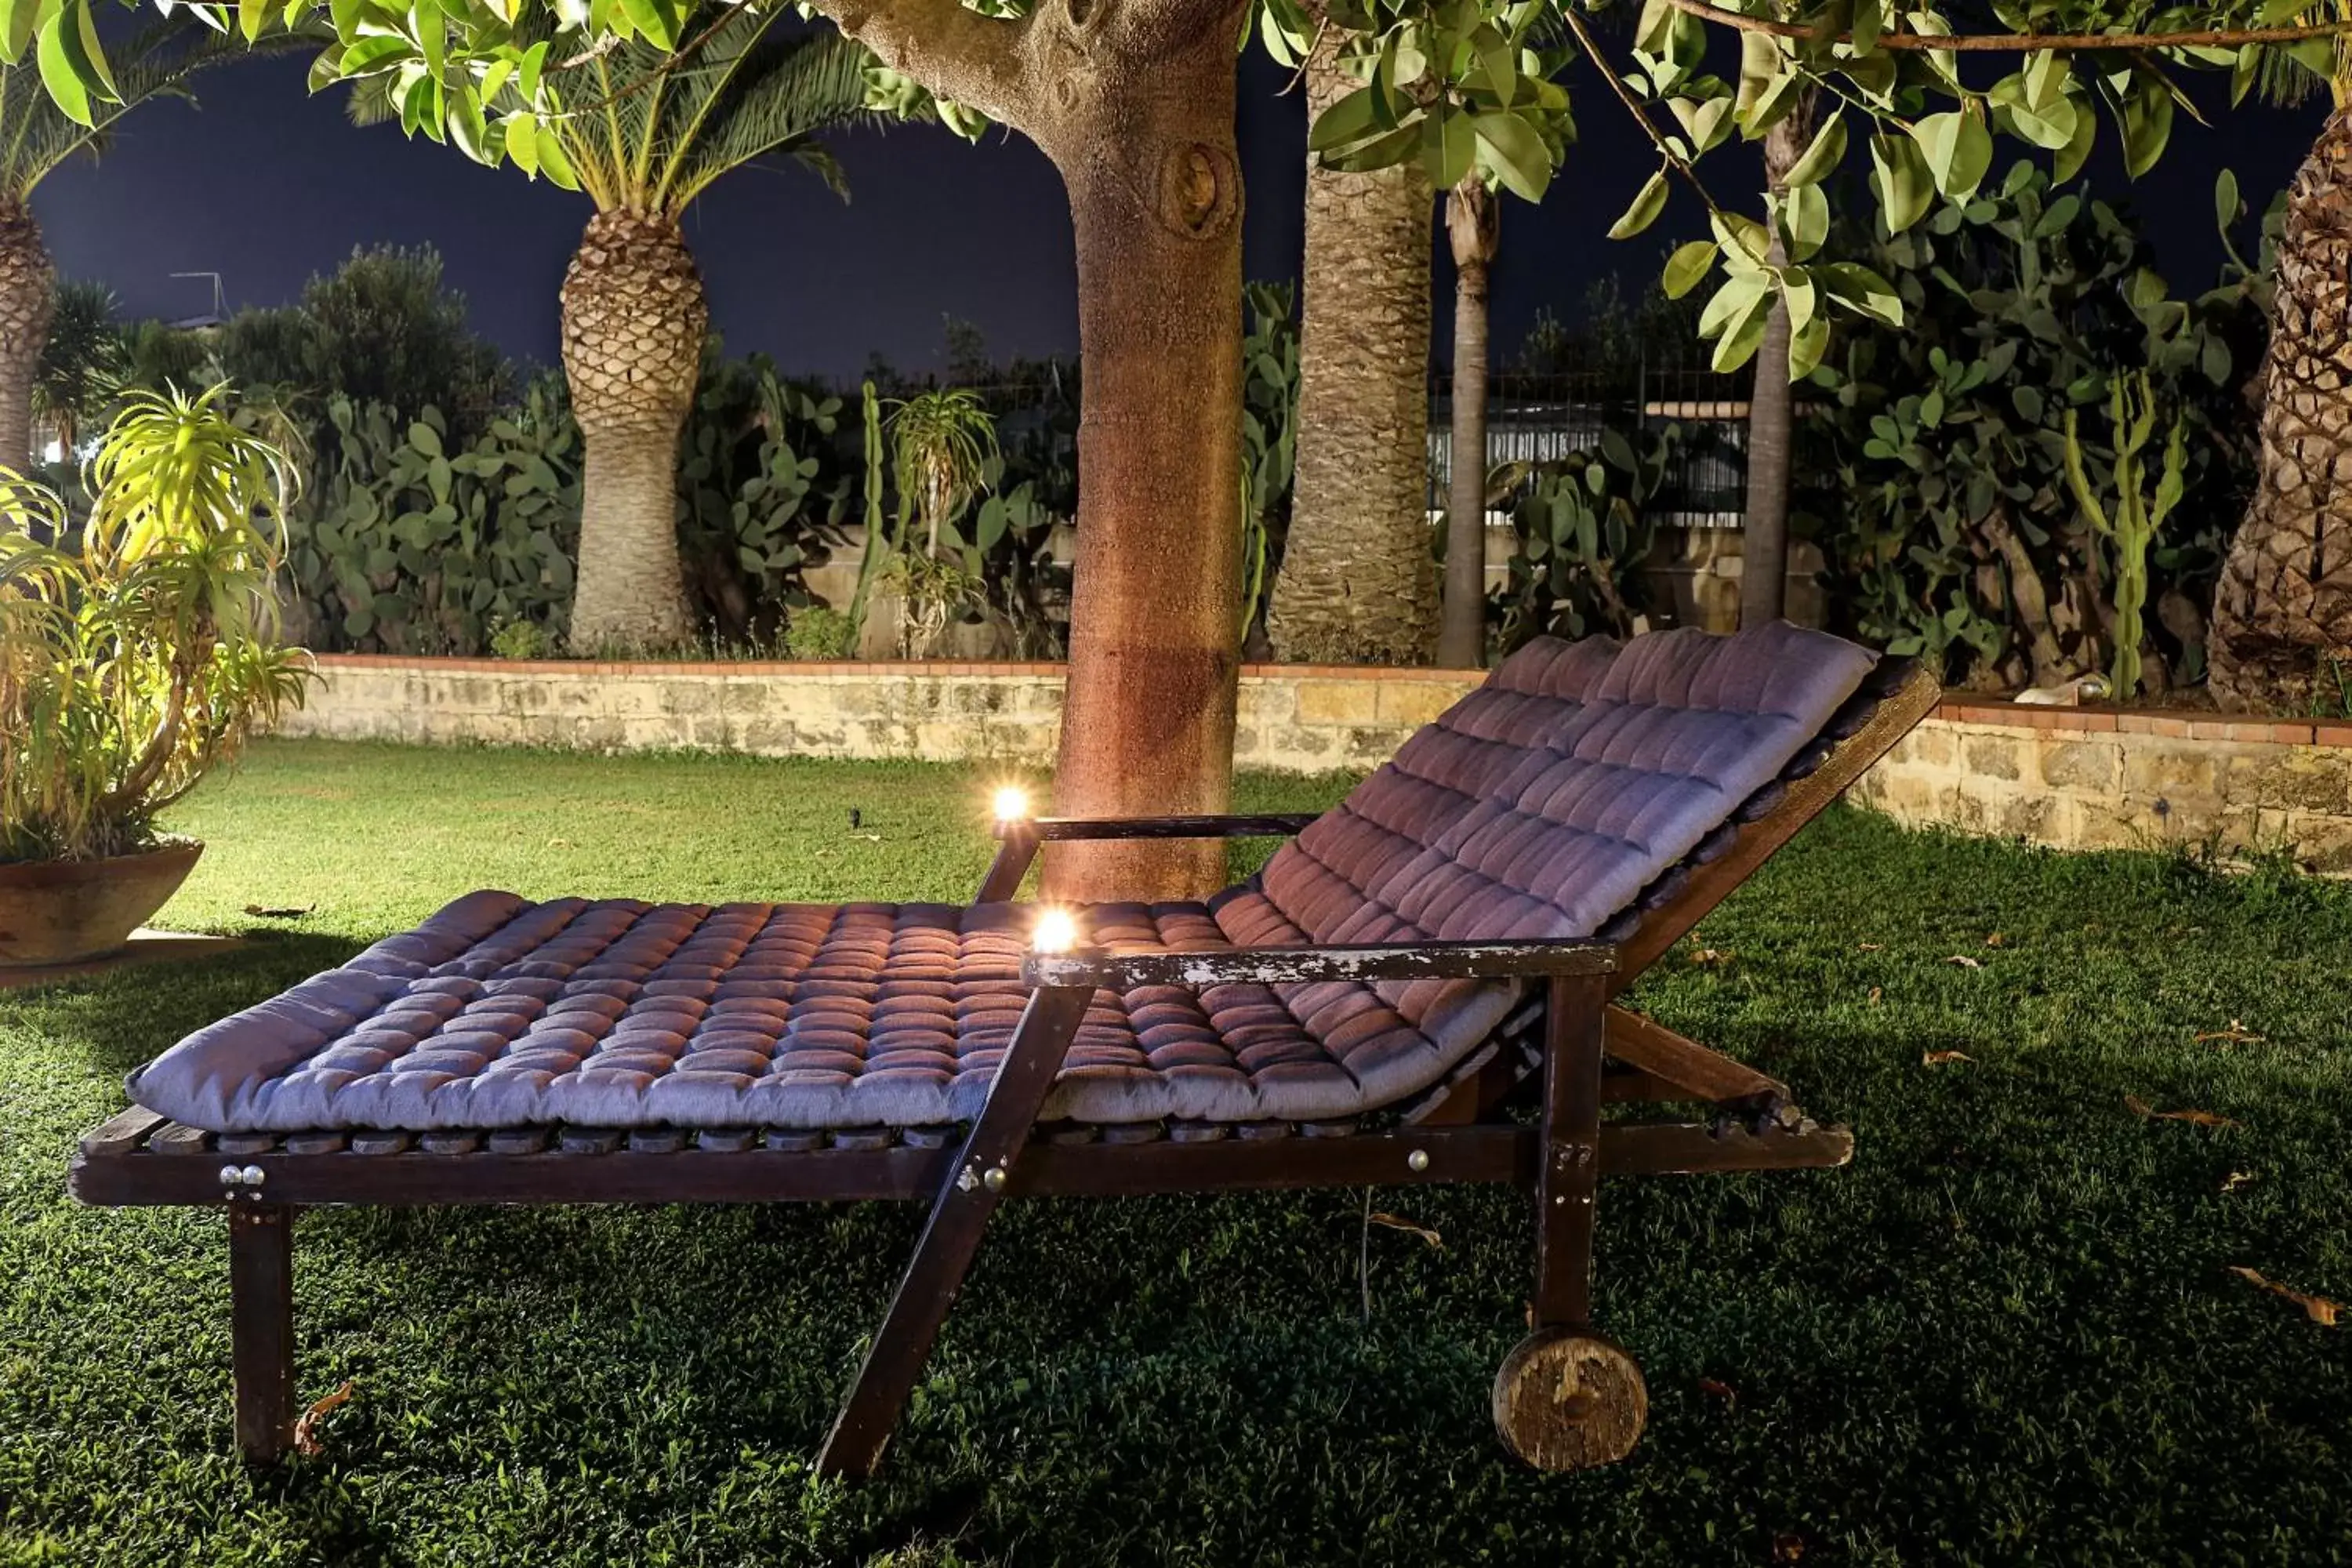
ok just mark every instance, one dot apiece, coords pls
pixel 1542 803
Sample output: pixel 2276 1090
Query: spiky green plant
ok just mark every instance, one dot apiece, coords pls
pixel 940 444
pixel 132 666
pixel 2130 527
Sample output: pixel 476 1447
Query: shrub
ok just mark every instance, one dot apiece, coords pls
pixel 130 666
pixel 818 632
pixel 521 640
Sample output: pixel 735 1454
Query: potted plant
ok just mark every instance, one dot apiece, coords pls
pixel 132 662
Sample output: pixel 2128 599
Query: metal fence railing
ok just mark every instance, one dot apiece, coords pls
pixel 1547 417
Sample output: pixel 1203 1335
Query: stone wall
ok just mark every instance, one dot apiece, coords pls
pixel 1293 718
pixel 2092 778
pixel 2076 778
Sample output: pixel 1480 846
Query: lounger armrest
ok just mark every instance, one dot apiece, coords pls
pixel 1049 828
pixel 1288 966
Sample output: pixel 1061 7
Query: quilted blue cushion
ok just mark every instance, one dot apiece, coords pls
pixel 1539 806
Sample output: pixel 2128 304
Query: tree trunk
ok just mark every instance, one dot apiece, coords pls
pixel 1764 528
pixel 27 300
pixel 1474 230
pixel 1148 715
pixel 634 322
pixel 2283 609
pixel 1358 584
pixel 1133 100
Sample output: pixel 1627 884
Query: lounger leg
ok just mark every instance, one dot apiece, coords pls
pixel 973 1185
pixel 261 1328
pixel 1016 849
pixel 1567 1398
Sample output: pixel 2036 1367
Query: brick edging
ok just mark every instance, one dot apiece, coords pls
pixel 2106 719
pixel 830 668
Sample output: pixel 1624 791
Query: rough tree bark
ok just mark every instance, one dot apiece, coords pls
pixel 27 300
pixel 1472 230
pixel 2283 609
pixel 1133 101
pixel 634 322
pixel 1764 529
pixel 1358 584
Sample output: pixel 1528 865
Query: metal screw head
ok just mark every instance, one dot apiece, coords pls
pixel 254 1175
pixel 995 1178
pixel 1417 1160
pixel 965 1180
pixel 230 1176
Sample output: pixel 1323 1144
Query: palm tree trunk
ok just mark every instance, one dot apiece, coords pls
pixel 1474 230
pixel 2283 609
pixel 1155 194
pixel 634 322
pixel 1357 582
pixel 1764 530
pixel 27 300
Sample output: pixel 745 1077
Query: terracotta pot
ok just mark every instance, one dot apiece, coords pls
pixel 61 912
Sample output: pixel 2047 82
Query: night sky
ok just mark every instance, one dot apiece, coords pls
pixel 267 185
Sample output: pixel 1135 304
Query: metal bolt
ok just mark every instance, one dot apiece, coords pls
pixel 1417 1160
pixel 230 1176
pixel 254 1175
pixel 995 1178
pixel 965 1180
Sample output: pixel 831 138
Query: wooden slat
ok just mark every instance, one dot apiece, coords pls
pixel 122 1132
pixel 1184 1162
pixel 173 1138
pixel 1224 825
pixel 1292 965
pixel 1684 1064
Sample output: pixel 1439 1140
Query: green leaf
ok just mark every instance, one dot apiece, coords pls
pixel 1862 290
pixel 1687 266
pixel 252 16
pixel 1447 146
pixel 375 52
pixel 19 20
pixel 1806 347
pixel 534 59
pixel 1742 294
pixel 1648 203
pixel 1351 120
pixel 1514 152
pixel 2226 205
pixel 2077 150
pixel 2148 125
pixel 425 438
pixel 1906 188
pixel 553 162
pixel 1959 149
pixel 1827 150
pixel 65 85
pixel 1805 213
pixel 652 21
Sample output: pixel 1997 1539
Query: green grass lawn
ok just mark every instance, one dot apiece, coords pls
pixel 2009 1332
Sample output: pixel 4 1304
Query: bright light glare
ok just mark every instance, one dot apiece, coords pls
pixel 1055 932
pixel 1012 804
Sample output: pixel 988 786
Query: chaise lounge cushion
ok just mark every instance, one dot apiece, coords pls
pixel 1542 804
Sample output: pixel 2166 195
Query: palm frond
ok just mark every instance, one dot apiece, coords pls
pixel 36 136
pixel 782 94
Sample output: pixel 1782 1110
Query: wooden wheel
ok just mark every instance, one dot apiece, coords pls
pixel 1568 1400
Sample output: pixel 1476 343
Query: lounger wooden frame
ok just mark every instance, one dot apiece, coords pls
pixel 1593 1053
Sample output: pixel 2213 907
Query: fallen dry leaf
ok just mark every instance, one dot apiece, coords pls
pixel 306 1428
pixel 1965 962
pixel 1995 940
pixel 2139 1106
pixel 1873 947
pixel 282 914
pixel 1937 1058
pixel 2236 1034
pixel 2238 1179
pixel 1710 955
pixel 1875 992
pixel 2318 1309
pixel 559 844
pixel 1788 1546
pixel 1396 1222
pixel 1719 1390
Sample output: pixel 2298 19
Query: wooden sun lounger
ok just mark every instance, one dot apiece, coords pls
pixel 1565 1397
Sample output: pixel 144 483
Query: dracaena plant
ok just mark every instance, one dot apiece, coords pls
pixel 138 658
